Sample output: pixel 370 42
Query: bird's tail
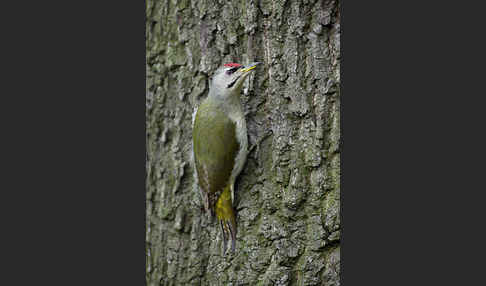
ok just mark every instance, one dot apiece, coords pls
pixel 227 218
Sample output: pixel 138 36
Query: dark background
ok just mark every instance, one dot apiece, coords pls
pixel 73 142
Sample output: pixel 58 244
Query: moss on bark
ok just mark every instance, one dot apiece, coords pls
pixel 287 196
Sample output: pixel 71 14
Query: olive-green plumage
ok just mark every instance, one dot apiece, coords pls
pixel 215 150
pixel 220 145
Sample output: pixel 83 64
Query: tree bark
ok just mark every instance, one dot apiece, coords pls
pixel 288 195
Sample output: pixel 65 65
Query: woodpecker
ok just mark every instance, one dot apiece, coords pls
pixel 220 145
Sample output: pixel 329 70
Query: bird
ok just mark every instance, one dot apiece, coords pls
pixel 220 145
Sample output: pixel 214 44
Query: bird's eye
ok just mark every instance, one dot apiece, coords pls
pixel 231 70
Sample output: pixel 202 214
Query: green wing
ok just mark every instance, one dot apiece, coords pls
pixel 215 149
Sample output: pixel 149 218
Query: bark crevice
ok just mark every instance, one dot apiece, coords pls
pixel 288 194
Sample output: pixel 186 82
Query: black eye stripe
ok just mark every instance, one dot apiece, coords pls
pixel 232 70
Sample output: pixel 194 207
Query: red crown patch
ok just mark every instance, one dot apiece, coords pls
pixel 232 65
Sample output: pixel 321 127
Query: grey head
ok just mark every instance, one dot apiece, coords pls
pixel 228 79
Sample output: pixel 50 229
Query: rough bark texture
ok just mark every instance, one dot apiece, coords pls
pixel 288 195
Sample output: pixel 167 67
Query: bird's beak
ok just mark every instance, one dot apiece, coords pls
pixel 250 67
pixel 242 73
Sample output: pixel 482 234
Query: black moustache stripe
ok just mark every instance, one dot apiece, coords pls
pixel 233 83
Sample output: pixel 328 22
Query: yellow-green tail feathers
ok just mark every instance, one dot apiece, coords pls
pixel 227 219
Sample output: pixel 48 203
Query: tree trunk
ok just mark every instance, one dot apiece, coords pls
pixel 288 194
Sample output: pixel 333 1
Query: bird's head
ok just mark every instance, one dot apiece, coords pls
pixel 229 78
